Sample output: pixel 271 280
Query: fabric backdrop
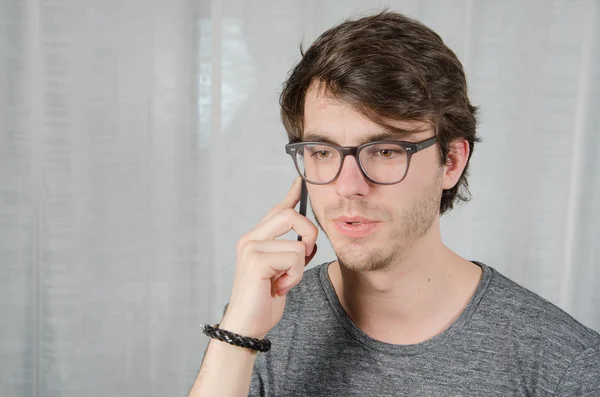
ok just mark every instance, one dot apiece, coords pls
pixel 140 139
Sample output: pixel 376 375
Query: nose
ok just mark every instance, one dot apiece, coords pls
pixel 351 182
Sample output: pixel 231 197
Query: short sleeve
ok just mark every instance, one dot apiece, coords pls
pixel 256 386
pixel 582 378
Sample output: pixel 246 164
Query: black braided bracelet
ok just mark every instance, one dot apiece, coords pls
pixel 213 330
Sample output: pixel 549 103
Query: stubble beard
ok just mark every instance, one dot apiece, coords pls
pixel 361 255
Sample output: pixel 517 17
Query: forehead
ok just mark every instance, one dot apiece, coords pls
pixel 330 119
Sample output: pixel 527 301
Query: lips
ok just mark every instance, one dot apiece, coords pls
pixel 355 226
pixel 353 219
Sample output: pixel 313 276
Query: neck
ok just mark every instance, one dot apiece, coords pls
pixel 412 300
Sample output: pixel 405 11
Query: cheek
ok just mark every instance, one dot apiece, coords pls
pixel 400 198
pixel 318 197
pixel 424 169
pixel 419 185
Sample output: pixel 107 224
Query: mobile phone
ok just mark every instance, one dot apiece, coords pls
pixel 303 202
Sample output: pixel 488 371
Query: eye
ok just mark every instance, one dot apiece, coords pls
pixel 322 154
pixel 387 153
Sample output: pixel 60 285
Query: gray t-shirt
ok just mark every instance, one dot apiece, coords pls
pixel 508 341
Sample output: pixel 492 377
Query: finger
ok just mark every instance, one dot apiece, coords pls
pixel 290 201
pixel 274 246
pixel 309 258
pixel 284 280
pixel 287 280
pixel 273 263
pixel 282 223
pixel 267 246
pixel 280 246
pixel 284 283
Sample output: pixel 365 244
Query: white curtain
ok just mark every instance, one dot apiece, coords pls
pixel 141 139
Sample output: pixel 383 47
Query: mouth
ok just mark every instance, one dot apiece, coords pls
pixel 355 226
pixel 354 219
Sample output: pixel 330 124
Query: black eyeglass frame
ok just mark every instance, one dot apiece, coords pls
pixel 410 148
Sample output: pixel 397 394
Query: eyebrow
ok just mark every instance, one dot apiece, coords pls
pixel 384 136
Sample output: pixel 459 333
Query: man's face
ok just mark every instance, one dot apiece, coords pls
pixel 403 213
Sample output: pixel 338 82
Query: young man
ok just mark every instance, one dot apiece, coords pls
pixel 398 313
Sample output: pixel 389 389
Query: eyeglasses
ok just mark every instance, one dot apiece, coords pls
pixel 381 162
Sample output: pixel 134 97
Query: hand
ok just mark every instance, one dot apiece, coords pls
pixel 267 269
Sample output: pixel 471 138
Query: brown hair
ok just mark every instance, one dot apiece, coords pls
pixel 388 67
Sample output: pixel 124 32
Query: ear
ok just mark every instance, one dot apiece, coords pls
pixel 456 160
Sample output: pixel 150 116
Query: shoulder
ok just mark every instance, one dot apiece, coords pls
pixel 582 377
pixel 536 321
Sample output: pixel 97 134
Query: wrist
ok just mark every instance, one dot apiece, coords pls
pixel 243 330
pixel 233 338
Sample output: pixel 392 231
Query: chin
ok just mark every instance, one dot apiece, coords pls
pixel 363 255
